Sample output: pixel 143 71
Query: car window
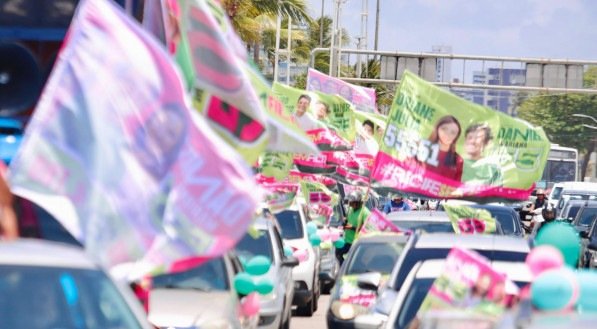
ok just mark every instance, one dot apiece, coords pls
pixel 429 227
pixel 415 296
pixel 374 257
pixel 573 211
pixel 415 255
pixel 211 275
pixel 250 246
pixel 290 223
pixel 507 221
pixel 556 192
pixel 586 216
pixel 279 242
pixel 46 297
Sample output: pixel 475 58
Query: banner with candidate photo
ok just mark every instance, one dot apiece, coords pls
pixel 439 145
pixel 323 111
pixel 362 97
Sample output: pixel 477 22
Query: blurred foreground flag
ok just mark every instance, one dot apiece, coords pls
pixel 114 152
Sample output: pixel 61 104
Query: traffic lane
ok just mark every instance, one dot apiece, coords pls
pixel 317 321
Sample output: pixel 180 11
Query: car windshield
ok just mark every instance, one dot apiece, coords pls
pixel 33 297
pixel 290 222
pixel 417 292
pixel 374 257
pixel 208 276
pixel 426 226
pixel 586 217
pixel 415 255
pixel 250 246
pixel 507 221
pixel 572 212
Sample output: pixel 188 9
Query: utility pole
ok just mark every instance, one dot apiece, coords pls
pixel 363 38
pixel 376 27
pixel 321 25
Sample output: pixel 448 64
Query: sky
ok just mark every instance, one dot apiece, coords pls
pixel 562 29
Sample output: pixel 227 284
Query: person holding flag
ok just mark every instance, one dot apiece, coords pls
pixel 357 214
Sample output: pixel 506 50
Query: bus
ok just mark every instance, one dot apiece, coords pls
pixel 561 166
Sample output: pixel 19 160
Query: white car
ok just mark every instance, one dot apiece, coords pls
pixel 276 307
pixel 293 222
pixel 46 284
pixel 202 296
pixel 419 281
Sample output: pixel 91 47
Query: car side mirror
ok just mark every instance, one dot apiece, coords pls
pixel 584 234
pixel 290 261
pixel 369 281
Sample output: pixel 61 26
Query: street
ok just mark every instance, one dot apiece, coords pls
pixel 317 321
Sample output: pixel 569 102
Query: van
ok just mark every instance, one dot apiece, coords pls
pixel 571 188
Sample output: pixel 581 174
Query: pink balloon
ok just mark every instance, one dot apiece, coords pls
pixel 301 255
pixel 249 305
pixel 324 235
pixel 334 235
pixel 543 258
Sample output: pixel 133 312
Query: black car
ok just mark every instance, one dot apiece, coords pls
pixel 508 218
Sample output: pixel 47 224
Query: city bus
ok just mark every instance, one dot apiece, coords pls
pixel 561 166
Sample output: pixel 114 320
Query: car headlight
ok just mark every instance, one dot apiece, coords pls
pixel 347 311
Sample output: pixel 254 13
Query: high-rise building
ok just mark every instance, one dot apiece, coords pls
pixel 443 68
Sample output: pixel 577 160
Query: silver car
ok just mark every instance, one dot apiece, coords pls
pixel 202 296
pixel 275 307
pixel 46 284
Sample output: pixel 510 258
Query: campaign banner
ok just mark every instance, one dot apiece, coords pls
pixel 363 98
pixel 322 111
pixel 370 128
pixel 320 212
pixel 468 282
pixel 295 177
pixel 275 164
pixel 377 222
pixel 439 145
pixel 279 196
pixel 469 220
pixel 328 140
pixel 315 193
pixel 313 164
pixel 117 156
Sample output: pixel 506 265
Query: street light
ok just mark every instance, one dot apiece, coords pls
pixel 578 115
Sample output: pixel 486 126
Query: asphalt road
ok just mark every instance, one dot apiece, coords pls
pixel 317 321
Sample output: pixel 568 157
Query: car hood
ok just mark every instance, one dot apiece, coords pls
pixel 188 308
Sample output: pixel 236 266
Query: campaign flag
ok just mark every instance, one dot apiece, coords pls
pixel 313 164
pixel 377 222
pixel 469 220
pixel 276 164
pixel 118 157
pixel 279 196
pixel 327 111
pixel 362 97
pixel 468 282
pixel 439 145
pixel 314 193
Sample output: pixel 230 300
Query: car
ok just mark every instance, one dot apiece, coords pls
pixel 201 296
pixel 293 224
pixel 570 188
pixel 375 254
pixel 584 218
pixel 276 307
pixel 588 247
pixel 423 274
pixel 11 135
pixel 571 207
pixel 426 221
pixel 45 284
pixel 437 246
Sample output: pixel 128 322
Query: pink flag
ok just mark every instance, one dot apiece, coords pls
pixel 377 222
pixel 114 152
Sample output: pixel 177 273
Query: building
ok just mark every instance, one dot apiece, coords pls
pixel 443 68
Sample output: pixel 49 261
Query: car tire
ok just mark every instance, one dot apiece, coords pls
pixel 308 309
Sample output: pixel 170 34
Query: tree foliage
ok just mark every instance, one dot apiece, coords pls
pixel 555 114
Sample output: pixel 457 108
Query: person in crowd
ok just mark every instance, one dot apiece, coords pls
pixel 365 142
pixel 357 214
pixel 322 110
pixel 301 116
pixel 449 163
pixel 9 228
pixel 540 201
pixel 478 170
pixel 346 93
pixel 314 84
pixel 396 203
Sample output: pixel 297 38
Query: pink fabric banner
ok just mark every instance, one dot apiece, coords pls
pixel 114 152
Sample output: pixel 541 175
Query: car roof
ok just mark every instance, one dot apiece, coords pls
pixel 44 253
pixel 423 216
pixel 472 241
pixel 515 271
pixel 383 237
pixel 492 207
